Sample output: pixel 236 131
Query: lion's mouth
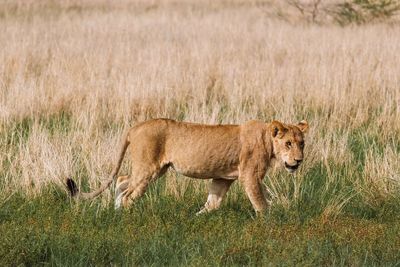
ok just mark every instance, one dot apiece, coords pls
pixel 291 168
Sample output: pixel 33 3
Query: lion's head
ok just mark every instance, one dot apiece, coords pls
pixel 288 143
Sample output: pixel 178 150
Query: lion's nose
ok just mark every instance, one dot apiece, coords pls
pixel 298 161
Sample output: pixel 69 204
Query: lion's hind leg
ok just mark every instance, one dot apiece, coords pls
pixel 217 191
pixel 120 187
pixel 138 185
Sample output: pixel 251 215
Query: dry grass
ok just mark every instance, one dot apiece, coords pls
pixel 75 74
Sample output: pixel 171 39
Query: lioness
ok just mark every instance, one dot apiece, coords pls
pixel 222 153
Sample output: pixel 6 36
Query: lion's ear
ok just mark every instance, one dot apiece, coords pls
pixel 303 126
pixel 277 129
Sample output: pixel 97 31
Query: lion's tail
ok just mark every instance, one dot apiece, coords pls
pixel 73 188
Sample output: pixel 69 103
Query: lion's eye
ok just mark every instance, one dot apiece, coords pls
pixel 288 144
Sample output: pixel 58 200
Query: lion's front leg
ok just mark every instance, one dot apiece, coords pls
pixel 251 175
pixel 217 191
pixel 255 156
pixel 254 191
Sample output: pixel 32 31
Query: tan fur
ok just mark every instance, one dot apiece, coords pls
pixel 222 153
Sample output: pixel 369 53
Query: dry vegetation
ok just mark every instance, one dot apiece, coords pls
pixel 75 74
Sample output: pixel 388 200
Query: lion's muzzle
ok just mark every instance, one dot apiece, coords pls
pixel 292 168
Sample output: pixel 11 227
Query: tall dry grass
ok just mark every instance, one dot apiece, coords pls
pixel 75 74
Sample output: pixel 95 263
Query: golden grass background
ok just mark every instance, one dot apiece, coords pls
pixel 80 72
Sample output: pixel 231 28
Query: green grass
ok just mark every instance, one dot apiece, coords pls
pixel 160 230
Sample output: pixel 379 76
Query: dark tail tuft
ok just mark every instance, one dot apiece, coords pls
pixel 72 188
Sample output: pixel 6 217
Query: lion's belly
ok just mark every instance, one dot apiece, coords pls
pixel 207 173
pixel 206 163
pixel 203 151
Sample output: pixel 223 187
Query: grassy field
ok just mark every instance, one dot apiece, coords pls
pixel 75 74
